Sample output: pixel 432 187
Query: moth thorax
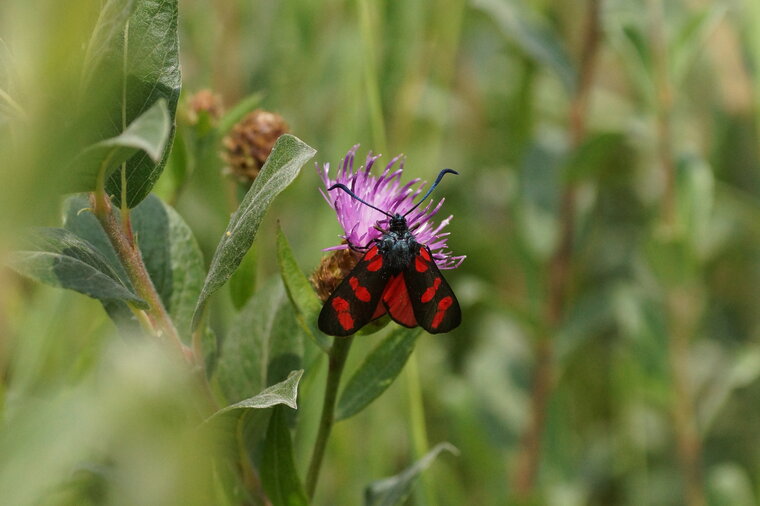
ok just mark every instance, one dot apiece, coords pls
pixel 398 249
pixel 397 224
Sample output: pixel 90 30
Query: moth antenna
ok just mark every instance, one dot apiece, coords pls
pixel 437 180
pixel 352 194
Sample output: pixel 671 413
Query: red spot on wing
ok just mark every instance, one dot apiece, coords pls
pixel 424 253
pixel 346 320
pixel 397 301
pixel 429 293
pixel 340 304
pixel 341 307
pixel 375 264
pixel 361 292
pixel 372 253
pixel 420 265
pixel 443 305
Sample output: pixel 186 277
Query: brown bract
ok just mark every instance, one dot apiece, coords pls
pixel 332 270
pixel 250 141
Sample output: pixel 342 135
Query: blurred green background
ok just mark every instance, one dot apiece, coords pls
pixel 608 203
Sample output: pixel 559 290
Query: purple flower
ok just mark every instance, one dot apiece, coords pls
pixel 385 192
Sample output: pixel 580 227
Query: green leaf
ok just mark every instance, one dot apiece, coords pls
pixel 59 258
pixel 278 470
pixel 377 372
pixel 396 489
pixel 243 280
pixel 281 168
pixel 133 64
pixel 108 32
pixel 264 344
pixel 284 392
pixel 691 37
pixel 533 36
pixel 171 254
pixel 148 133
pixel 300 291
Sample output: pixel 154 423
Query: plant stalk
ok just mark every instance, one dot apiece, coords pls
pixel 681 310
pixel 560 265
pixel 336 362
pixel 425 495
pixel 131 259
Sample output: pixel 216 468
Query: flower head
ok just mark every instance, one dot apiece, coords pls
pixel 250 141
pixel 384 192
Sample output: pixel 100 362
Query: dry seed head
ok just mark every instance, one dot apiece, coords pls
pixel 332 270
pixel 250 141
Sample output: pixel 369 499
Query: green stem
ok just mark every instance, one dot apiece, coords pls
pixel 420 441
pixel 337 360
pixel 131 259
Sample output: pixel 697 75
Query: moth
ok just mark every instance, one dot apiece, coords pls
pixel 396 275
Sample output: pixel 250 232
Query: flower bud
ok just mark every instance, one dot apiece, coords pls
pixel 204 107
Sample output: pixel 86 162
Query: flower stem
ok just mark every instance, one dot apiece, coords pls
pixel 425 494
pixel 336 361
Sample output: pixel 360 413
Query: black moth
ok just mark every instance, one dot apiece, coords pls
pixel 397 275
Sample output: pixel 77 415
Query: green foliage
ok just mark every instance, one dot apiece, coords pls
pixel 396 489
pixel 264 344
pixel 529 32
pixel 167 246
pixel 149 57
pixel 278 471
pixel 148 133
pixel 377 372
pixel 288 156
pixel 300 292
pixel 57 257
pixel 284 392
pixel 608 205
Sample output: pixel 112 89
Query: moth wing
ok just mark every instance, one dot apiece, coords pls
pixel 355 301
pixel 435 306
pixel 397 303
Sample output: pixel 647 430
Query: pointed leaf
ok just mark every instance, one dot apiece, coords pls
pixel 169 249
pixel 377 372
pixel 284 392
pixel 278 470
pixel 57 257
pixel 108 32
pixel 264 344
pixel 132 64
pixel 148 133
pixel 300 291
pixel 281 168
pixel 396 489
pixel 243 281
